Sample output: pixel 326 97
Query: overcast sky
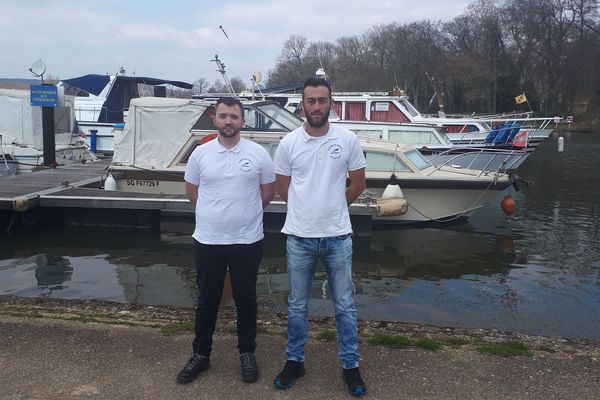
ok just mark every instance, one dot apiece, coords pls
pixel 176 39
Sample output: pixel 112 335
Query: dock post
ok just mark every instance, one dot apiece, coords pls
pixel 49 141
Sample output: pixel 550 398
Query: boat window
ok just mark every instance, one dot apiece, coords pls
pixel 271 117
pixel 444 137
pixel 184 160
pixel 205 121
pixel 414 137
pixel 73 91
pixel 367 133
pixel 417 158
pixel 270 147
pixel 383 162
pixel 409 107
pixel 333 115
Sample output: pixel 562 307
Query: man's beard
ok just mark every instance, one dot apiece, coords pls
pixel 317 123
pixel 228 135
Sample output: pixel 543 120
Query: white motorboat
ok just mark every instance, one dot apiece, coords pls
pixel 435 145
pixel 21 146
pixel 161 134
pixel 102 101
pixel 515 130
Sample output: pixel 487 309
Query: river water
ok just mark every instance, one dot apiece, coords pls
pixel 536 271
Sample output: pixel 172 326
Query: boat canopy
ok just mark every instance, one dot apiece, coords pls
pixel 155 131
pixel 21 123
pixel 123 89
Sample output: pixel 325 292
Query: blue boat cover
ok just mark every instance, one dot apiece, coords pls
pixel 123 90
pixel 503 133
pixel 92 84
pixel 491 137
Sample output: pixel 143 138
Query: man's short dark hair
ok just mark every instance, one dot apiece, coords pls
pixel 314 82
pixel 230 101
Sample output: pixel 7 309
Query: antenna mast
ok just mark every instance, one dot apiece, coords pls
pixel 221 69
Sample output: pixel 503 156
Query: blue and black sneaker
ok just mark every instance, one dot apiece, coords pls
pixel 291 371
pixel 354 382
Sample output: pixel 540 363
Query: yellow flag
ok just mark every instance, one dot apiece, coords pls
pixel 520 98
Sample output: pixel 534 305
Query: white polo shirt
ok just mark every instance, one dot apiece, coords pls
pixel 318 167
pixel 229 206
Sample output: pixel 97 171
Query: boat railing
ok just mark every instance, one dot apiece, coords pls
pixel 506 129
pixel 504 159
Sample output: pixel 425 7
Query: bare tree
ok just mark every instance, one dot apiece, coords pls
pixel 237 84
pixel 200 86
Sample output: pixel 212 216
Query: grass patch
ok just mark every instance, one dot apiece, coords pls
pixel 393 341
pixel 228 328
pixel 428 344
pixel 102 315
pixel 546 349
pixel 261 329
pixel 177 327
pixel 457 342
pixel 508 349
pixel 326 336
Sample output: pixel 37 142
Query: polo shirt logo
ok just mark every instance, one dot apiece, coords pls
pixel 335 151
pixel 245 165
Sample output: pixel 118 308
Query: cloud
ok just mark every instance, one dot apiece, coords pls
pixel 177 40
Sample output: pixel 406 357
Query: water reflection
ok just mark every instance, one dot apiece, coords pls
pixel 52 271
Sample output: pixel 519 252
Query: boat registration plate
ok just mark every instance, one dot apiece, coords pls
pixel 142 182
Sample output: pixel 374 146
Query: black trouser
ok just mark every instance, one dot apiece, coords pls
pixel 212 262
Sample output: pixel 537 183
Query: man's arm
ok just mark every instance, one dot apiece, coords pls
pixel 282 184
pixel 357 185
pixel 267 192
pixel 191 192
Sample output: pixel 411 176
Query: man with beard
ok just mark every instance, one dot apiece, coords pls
pixel 311 165
pixel 230 180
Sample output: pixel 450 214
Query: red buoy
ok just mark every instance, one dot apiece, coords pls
pixel 508 204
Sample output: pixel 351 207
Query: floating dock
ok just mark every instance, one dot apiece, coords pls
pixel 74 194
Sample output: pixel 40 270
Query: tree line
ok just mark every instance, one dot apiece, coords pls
pixel 481 60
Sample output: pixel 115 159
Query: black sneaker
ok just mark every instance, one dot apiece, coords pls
pixel 249 367
pixel 291 371
pixel 354 382
pixel 192 369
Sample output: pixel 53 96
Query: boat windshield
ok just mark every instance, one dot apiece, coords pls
pixel 376 161
pixel 417 158
pixel 277 117
pixel 409 107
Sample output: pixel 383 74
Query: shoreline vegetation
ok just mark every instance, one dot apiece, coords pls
pixel 171 320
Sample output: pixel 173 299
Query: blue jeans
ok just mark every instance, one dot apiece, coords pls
pixel 336 255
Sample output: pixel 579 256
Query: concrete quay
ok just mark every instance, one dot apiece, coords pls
pixel 61 349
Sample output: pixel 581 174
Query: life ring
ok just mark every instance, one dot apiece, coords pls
pixel 208 138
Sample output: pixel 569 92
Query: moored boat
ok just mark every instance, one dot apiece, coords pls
pixel 161 134
pixel 101 103
pixel 22 135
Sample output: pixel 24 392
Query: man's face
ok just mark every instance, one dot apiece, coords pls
pixel 228 120
pixel 316 102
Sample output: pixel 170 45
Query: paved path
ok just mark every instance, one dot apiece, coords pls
pixel 45 358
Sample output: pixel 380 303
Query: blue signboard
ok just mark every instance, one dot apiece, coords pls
pixel 43 96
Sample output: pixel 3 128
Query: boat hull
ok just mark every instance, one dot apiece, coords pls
pixel 429 200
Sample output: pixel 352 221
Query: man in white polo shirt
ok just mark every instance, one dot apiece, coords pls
pixel 230 180
pixel 311 165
